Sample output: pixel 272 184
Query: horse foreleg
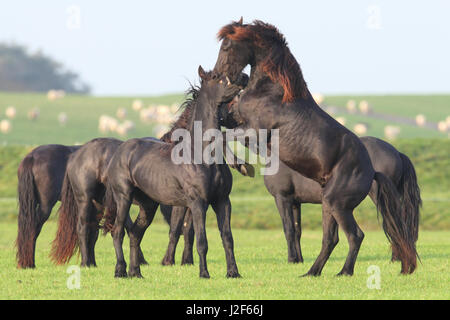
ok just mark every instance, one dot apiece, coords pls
pixel 176 225
pixel 223 213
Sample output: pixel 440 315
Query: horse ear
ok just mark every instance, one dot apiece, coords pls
pixel 241 21
pixel 201 72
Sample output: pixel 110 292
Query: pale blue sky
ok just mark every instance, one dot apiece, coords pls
pixel 137 47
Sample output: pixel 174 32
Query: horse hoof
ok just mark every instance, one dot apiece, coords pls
pixel 135 274
pixel 121 271
pixel 310 274
pixel 294 261
pixel 344 273
pixel 120 275
pixel 143 262
pixel 204 275
pixel 233 274
pixel 167 262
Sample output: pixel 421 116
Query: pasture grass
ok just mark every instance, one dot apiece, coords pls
pixel 84 111
pixel 262 260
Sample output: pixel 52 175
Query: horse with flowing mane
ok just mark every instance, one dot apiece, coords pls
pixel 311 142
pixel 143 166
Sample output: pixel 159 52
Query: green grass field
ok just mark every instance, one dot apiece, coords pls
pixel 262 260
pixel 260 246
pixel 83 114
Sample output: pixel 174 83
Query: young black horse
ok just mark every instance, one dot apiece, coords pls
pixel 290 189
pixel 82 202
pixel 83 194
pixel 40 177
pixel 148 167
pixel 179 218
pixel 311 142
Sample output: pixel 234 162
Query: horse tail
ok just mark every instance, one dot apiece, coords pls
pixel 410 193
pixel 109 217
pixel 65 244
pixel 28 219
pixel 395 228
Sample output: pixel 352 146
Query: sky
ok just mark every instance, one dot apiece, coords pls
pixel 136 48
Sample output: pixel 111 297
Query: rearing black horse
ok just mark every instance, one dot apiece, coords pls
pixel 311 142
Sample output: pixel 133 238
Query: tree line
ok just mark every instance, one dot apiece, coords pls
pixel 22 71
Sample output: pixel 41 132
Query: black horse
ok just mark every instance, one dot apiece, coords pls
pixel 147 167
pixel 311 142
pixel 83 196
pixel 179 218
pixel 40 177
pixel 82 202
pixel 290 189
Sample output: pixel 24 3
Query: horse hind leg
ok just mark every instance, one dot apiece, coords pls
pixel 86 237
pixel 355 237
pixel 329 240
pixel 123 205
pixel 94 219
pixel 284 206
pixel 128 226
pixel 176 226
pixel 188 234
pixel 297 218
pixel 136 234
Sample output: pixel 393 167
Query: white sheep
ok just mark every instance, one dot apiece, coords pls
pixel 128 125
pixel 364 107
pixel 421 120
pixel 318 98
pixel 62 118
pixel 160 130
pixel 11 112
pixel 331 110
pixel 137 105
pixel 121 113
pixel 351 106
pixel 360 129
pixel 443 126
pixel 341 120
pixel 5 126
pixel 55 94
pixel 107 124
pixel 33 114
pixel 391 132
pixel 51 95
pixel 148 114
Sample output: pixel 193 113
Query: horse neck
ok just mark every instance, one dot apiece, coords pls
pixel 204 116
pixel 298 83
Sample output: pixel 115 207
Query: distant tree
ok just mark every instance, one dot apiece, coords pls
pixel 22 71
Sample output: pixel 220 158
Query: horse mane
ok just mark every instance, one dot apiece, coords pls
pixel 280 65
pixel 183 120
pixel 187 106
